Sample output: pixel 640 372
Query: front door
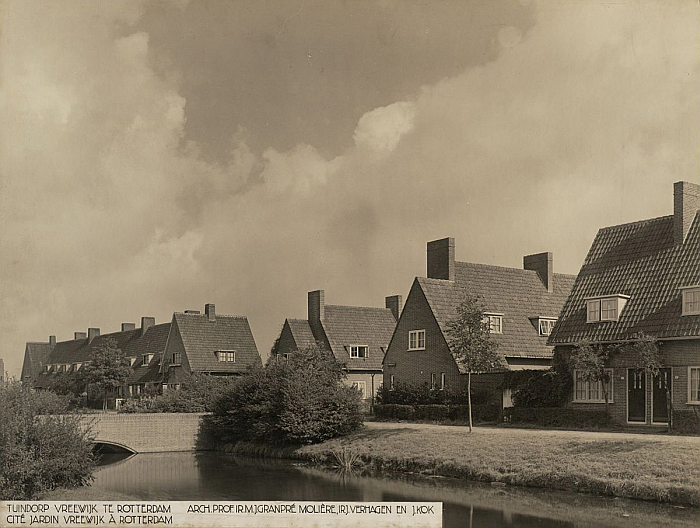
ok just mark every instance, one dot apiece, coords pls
pixel 636 396
pixel 660 395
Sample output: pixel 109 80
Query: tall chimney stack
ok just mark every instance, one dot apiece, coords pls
pixel 686 202
pixel 441 259
pixel 210 312
pixel 394 303
pixel 79 335
pixel 52 341
pixel 542 263
pixel 128 326
pixel 93 333
pixel 317 306
pixel 146 323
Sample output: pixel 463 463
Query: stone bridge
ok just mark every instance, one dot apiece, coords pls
pixel 146 432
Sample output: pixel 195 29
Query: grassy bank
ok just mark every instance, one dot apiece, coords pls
pixel 662 469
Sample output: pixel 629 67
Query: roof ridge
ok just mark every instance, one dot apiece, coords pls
pixel 218 315
pixel 355 307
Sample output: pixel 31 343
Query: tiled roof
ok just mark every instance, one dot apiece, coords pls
pixel 203 338
pixel 35 355
pixel 355 325
pixel 153 342
pixel 301 332
pixel 519 295
pixel 640 260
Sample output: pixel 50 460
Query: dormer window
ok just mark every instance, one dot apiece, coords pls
pixel 495 322
pixel 132 360
pixel 147 359
pixel 691 300
pixel 359 351
pixel 227 355
pixel 546 325
pixel 607 308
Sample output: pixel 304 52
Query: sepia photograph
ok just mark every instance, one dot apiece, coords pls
pixel 350 263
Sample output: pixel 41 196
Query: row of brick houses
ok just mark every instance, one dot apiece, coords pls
pixel 638 277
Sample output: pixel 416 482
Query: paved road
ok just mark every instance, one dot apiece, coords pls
pixel 544 433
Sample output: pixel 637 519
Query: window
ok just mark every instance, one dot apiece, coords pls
pixel 416 340
pixel 605 308
pixel 391 382
pixel 174 386
pixel 132 360
pixel 691 300
pixel 433 381
pixel 177 359
pixel 286 355
pixel 147 358
pixel 362 387
pixel 359 351
pixel 546 326
pixel 592 391
pixel 495 322
pixel 227 355
pixel 694 385
pixel 442 381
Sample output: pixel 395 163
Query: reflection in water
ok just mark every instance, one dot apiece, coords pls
pixel 214 476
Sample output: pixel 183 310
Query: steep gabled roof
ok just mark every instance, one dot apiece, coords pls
pixel 203 338
pixel 519 295
pixel 358 325
pixel 35 356
pixel 152 342
pixel 301 332
pixel 641 260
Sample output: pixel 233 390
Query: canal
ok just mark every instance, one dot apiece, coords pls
pixel 215 476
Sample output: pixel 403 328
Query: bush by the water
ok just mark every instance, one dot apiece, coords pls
pixel 686 422
pixel 42 447
pixel 482 412
pixel 301 400
pixel 557 417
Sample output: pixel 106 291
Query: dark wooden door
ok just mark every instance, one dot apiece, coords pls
pixel 660 392
pixel 636 396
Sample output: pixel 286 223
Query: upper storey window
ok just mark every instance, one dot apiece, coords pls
pixel 416 340
pixel 546 325
pixel 495 322
pixel 607 308
pixel 691 300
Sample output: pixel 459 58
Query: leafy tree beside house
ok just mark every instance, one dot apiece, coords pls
pixel 590 363
pixel 108 369
pixel 469 337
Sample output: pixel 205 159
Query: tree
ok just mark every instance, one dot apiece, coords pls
pixel 108 368
pixel 590 362
pixel 469 337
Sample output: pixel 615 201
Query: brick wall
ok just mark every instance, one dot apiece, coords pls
pixel 679 355
pixel 287 343
pixel 175 344
pixel 415 367
pixel 147 432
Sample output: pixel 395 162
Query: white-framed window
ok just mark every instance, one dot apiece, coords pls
pixel 433 381
pixel 592 391
pixel 694 385
pixel 391 382
pixel 286 355
pixel 606 308
pixel 174 386
pixel 359 351
pixel 176 359
pixel 227 355
pixel 691 300
pixel 495 322
pixel 132 360
pixel 546 326
pixel 416 340
pixel 360 386
pixel 147 359
pixel 442 380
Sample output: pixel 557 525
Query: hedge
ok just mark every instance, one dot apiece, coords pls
pixel 686 422
pixel 486 412
pixel 557 417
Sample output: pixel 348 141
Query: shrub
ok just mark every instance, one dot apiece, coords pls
pixel 301 400
pixel 533 388
pixel 557 417
pixel 686 422
pixel 40 452
pixel 487 412
pixel 409 394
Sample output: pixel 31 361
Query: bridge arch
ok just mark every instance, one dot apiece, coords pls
pixel 108 446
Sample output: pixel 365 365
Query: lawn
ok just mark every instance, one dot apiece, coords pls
pixel 650 467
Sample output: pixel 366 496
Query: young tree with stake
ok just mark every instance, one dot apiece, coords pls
pixel 469 338
pixel 108 368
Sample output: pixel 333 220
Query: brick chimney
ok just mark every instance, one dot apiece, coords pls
pixel 441 259
pixel 210 312
pixel 393 303
pixel 52 341
pixel 317 306
pixel 128 326
pixel 686 202
pixel 542 263
pixel 79 335
pixel 146 323
pixel 92 333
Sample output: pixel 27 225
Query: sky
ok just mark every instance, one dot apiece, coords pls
pixel 156 156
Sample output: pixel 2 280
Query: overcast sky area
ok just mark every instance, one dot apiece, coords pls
pixel 156 156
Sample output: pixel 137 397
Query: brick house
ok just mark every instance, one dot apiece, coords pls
pixel 35 356
pixel 358 336
pixel 208 343
pixel 641 277
pixel 521 305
